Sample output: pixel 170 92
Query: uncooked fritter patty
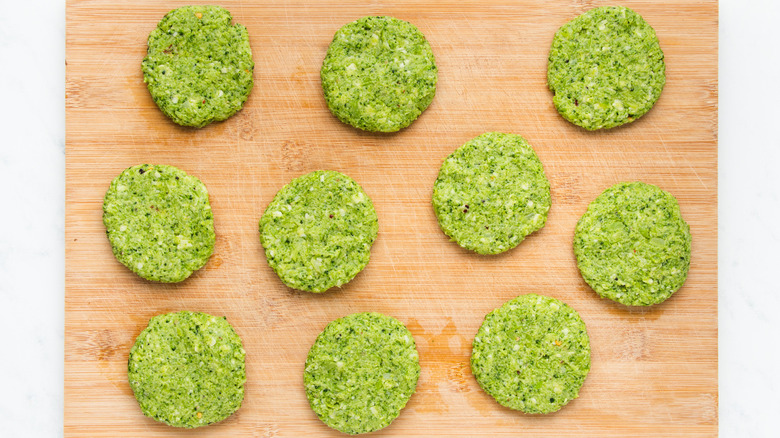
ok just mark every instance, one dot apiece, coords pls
pixel 632 244
pixel 318 230
pixel 198 66
pixel 187 369
pixel 159 222
pixel 379 74
pixel 606 68
pixel 361 371
pixel 532 354
pixel 491 193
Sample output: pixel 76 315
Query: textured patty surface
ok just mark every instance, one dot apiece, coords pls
pixel 632 244
pixel 318 230
pixel 198 66
pixel 606 68
pixel 187 369
pixel 159 222
pixel 379 74
pixel 361 371
pixel 491 193
pixel 532 354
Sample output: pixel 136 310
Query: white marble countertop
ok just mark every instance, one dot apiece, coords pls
pixel 32 175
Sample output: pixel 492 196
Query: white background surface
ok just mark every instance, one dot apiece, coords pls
pixel 32 209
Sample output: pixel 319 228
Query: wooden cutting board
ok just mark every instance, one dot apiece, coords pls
pixel 654 370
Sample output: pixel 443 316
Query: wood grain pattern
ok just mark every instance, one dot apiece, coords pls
pixel 654 371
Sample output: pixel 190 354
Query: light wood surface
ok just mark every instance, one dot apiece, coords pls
pixel 654 370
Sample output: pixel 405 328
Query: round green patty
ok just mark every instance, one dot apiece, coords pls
pixel 491 193
pixel 606 68
pixel 632 245
pixel 361 371
pixel 379 74
pixel 318 231
pixel 198 67
pixel 186 369
pixel 532 354
pixel 159 222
